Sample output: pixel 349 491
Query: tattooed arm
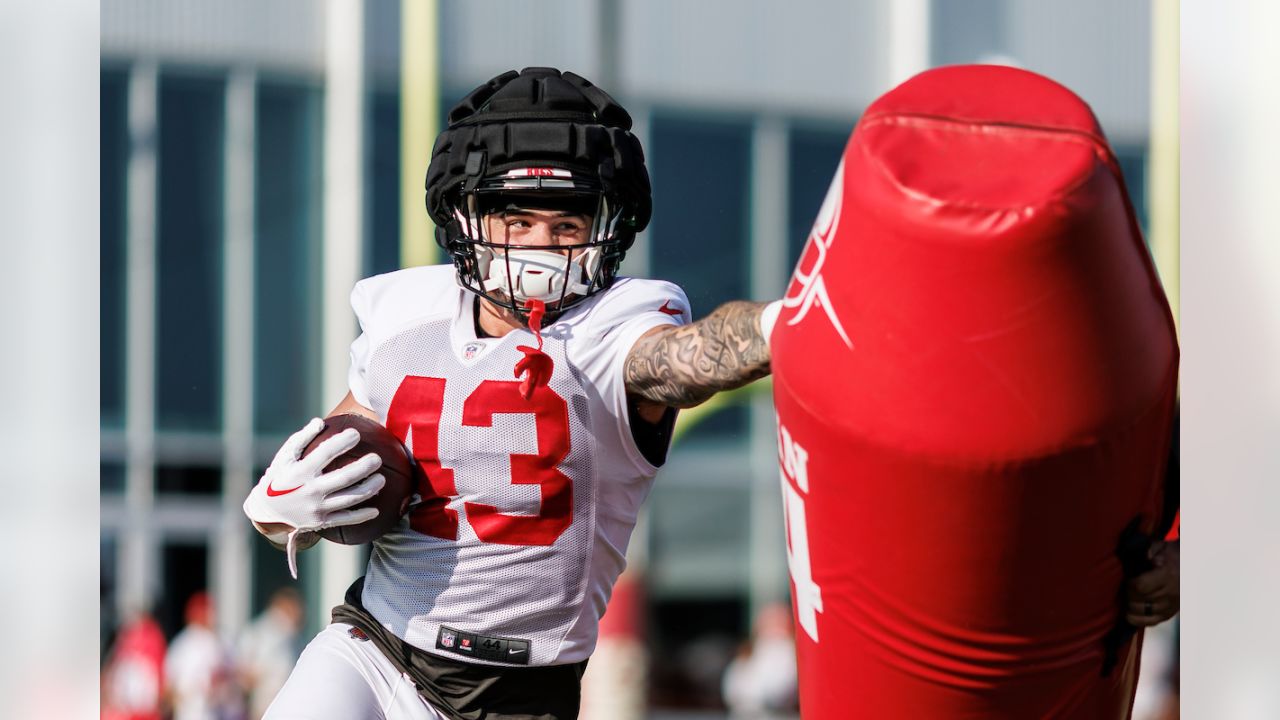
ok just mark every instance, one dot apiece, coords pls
pixel 682 366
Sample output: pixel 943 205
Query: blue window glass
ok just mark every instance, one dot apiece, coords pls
pixel 109 615
pixel 189 253
pixel 700 232
pixel 185 569
pixel 287 256
pixel 699 532
pixel 813 155
pixel 701 193
pixel 1133 165
pixel 111 478
pixel 188 479
pixel 382 251
pixel 112 175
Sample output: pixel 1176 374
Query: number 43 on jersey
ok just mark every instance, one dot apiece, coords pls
pixel 414 416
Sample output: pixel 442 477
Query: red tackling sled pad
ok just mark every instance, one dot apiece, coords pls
pixel 975 371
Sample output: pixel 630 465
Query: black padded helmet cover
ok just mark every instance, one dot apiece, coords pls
pixel 546 118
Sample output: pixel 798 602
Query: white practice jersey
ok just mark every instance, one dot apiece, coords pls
pixel 529 504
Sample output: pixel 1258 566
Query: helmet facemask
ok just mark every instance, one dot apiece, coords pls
pixel 508 273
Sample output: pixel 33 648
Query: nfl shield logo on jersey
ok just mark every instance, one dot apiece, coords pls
pixel 471 349
pixel 446 639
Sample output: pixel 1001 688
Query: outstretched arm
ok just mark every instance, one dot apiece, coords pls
pixel 684 366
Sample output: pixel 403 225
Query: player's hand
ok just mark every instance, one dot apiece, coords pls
pixel 1153 597
pixel 297 493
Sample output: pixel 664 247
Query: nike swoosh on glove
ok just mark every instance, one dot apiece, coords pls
pixel 297 492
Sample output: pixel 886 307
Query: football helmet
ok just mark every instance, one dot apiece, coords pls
pixel 537 139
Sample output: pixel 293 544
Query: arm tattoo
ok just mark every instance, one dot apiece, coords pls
pixel 683 366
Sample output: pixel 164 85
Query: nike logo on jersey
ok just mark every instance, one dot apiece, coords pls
pixel 513 651
pixel 666 308
pixel 272 492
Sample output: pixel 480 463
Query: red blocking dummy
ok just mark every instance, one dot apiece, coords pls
pixel 974 372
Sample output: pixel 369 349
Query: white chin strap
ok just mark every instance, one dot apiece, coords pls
pixel 540 274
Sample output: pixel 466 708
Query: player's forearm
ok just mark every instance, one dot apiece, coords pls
pixel 682 367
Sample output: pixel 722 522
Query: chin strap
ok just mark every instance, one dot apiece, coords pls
pixel 536 366
pixel 291 551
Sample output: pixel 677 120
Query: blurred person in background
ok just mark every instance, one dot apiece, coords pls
pixel 487 598
pixel 1157 694
pixel 268 648
pixel 133 678
pixel 198 668
pixel 761 680
pixel 1153 598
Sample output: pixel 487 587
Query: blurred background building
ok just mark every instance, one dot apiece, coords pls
pixel 256 160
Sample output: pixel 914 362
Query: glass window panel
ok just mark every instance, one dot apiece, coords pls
pixel 189 254
pixel 188 479
pixel 112 174
pixel 111 478
pixel 109 616
pixel 287 256
pixel 1133 164
pixel 382 251
pixel 967 32
pixel 185 571
pixel 698 535
pixel 699 235
pixel 814 155
pixel 701 193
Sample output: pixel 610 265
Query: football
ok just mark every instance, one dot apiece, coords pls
pixel 393 499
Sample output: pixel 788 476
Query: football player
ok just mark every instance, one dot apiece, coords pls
pixel 536 389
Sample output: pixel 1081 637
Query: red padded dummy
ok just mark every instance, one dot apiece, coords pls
pixel 975 372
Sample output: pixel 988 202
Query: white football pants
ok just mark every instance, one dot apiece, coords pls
pixel 341 678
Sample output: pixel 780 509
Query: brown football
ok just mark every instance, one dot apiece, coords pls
pixel 393 499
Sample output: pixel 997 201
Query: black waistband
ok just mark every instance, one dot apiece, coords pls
pixel 469 691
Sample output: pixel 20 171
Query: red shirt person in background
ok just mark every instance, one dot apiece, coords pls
pixel 133 679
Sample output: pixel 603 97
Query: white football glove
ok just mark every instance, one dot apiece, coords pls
pixel 297 492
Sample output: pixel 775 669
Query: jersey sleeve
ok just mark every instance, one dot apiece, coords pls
pixel 632 308
pixel 386 303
